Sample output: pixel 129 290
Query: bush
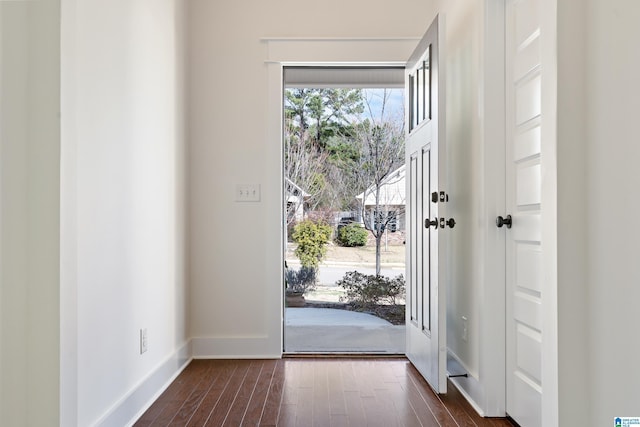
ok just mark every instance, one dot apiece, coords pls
pixel 367 290
pixel 352 235
pixel 312 238
pixel 302 280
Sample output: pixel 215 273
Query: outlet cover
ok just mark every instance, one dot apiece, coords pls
pixel 465 329
pixel 143 340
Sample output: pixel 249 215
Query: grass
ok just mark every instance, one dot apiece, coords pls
pixel 359 255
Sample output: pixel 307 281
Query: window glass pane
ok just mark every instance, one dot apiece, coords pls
pixel 426 69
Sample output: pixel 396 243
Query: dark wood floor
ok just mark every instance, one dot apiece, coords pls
pixel 308 392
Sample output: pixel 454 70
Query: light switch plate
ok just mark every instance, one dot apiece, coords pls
pixel 248 193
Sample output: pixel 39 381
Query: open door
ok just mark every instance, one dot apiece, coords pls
pixel 428 225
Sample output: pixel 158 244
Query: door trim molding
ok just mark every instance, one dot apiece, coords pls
pixel 281 52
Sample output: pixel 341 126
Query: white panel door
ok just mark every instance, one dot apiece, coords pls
pixel 426 205
pixel 523 202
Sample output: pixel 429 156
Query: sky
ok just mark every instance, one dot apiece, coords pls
pixel 394 105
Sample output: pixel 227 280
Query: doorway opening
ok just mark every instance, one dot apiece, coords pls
pixel 344 190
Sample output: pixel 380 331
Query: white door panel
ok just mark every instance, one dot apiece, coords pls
pixel 526 227
pixel 526 401
pixel 523 202
pixel 527 143
pixel 528 351
pixel 527 309
pixel 528 58
pixel 526 14
pixel 528 185
pixel 529 262
pixel 426 306
pixel 528 100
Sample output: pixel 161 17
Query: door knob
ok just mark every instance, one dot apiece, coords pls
pixel 500 221
pixel 451 222
pixel 428 223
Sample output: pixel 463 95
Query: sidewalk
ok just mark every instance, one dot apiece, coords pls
pixel 326 330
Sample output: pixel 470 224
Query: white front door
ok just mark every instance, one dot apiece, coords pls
pixel 426 206
pixel 523 203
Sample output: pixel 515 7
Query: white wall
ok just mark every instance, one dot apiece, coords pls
pixel 574 372
pixel 612 151
pixel 465 144
pixel 29 219
pixel 123 206
pixel 235 248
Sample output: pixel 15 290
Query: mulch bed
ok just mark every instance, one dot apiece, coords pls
pixel 394 314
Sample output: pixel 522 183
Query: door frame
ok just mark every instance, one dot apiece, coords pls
pixel 287 51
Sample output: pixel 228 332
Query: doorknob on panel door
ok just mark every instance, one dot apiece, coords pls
pixel 500 221
pixel 439 197
pixel 428 223
pixel 449 222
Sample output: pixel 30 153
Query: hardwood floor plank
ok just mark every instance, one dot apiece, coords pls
pixel 440 412
pixel 419 406
pixel 190 405
pixel 240 403
pixel 176 387
pixel 223 406
pixel 339 420
pixel 287 416
pixel 355 411
pixel 457 412
pixel 337 405
pixel 210 401
pixel 309 392
pixel 321 405
pixel 292 374
pixel 304 408
pixel 274 396
pixel 375 414
pixel 402 410
pixel 256 405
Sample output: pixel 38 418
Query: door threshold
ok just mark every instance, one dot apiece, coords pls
pixel 296 355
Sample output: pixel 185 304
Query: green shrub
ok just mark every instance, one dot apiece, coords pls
pixel 366 290
pixel 352 235
pixel 312 238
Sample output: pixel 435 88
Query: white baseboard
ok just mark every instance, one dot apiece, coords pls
pixel 457 382
pixel 128 409
pixel 469 387
pixel 256 347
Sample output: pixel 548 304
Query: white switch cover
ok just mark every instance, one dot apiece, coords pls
pixel 248 193
pixel 143 340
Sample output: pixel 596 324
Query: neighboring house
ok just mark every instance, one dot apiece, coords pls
pixel 391 203
pixel 296 201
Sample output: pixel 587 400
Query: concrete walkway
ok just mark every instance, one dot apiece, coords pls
pixel 326 330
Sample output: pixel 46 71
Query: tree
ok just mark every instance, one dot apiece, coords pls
pixel 305 167
pixel 323 113
pixel 380 142
pixel 317 138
